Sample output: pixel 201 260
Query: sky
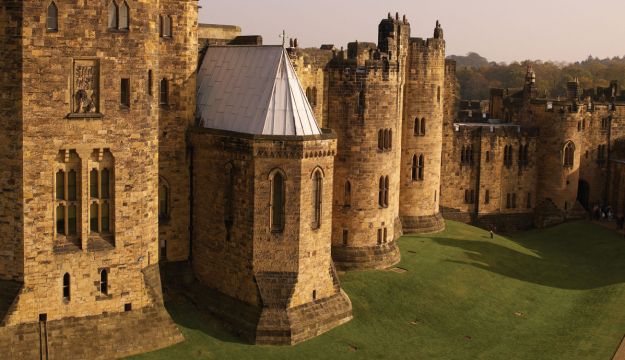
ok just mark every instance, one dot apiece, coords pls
pixel 500 30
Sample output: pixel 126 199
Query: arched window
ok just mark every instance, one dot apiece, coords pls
pixel 390 139
pixel 417 126
pixel 164 92
pixel 163 200
pixel 415 168
pixel 113 15
pixel 317 198
pixel 421 165
pixel 348 194
pixel 104 282
pixel 277 202
pixel 381 139
pixel 422 133
pixel 124 16
pixel 569 154
pixel 52 18
pixel 66 287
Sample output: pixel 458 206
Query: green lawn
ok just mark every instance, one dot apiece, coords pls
pixel 544 294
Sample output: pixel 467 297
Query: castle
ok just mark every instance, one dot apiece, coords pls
pixel 132 140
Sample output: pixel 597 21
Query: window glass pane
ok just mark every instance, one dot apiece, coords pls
pixel 53 17
pixel 71 219
pixel 162 200
pixel 105 217
pixel 93 183
pixel 112 15
pixel 60 219
pixel 71 185
pixel 60 185
pixel 123 16
pixel 93 218
pixel 105 181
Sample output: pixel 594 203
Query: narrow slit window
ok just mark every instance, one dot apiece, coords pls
pixel 104 282
pixel 66 287
pixel 124 93
pixel 277 203
pixel 164 92
pixel 317 199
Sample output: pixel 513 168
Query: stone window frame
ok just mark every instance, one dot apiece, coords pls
pixel 66 287
pixel 385 139
pixel 523 155
pixel 347 194
pixel 277 228
pixel 68 161
pixel 102 160
pixel 164 216
pixel 317 177
pixel 568 154
pixel 418 167
pixel 508 156
pixel 166 26
pixel 419 128
pixel 103 286
pixel 466 155
pixel 125 93
pixel 52 17
pixel 163 92
pixel 383 191
pixel 114 18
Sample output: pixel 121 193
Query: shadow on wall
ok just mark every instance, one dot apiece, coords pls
pixel 571 257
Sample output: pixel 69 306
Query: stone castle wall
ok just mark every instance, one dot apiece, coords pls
pixel 11 174
pixel 177 62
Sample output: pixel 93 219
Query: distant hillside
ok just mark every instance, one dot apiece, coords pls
pixel 476 75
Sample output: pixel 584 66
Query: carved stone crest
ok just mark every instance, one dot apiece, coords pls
pixel 85 87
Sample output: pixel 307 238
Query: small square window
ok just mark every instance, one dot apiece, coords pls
pixel 128 307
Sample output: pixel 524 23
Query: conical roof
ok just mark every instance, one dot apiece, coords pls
pixel 252 90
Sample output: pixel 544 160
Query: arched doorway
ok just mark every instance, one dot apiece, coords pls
pixel 583 194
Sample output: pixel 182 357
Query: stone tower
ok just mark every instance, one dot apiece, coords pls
pixel 262 238
pixel 82 168
pixel 364 97
pixel 422 135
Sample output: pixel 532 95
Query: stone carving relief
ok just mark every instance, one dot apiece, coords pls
pixel 85 89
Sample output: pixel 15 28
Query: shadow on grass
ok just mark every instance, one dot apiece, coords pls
pixel 578 256
pixel 185 312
